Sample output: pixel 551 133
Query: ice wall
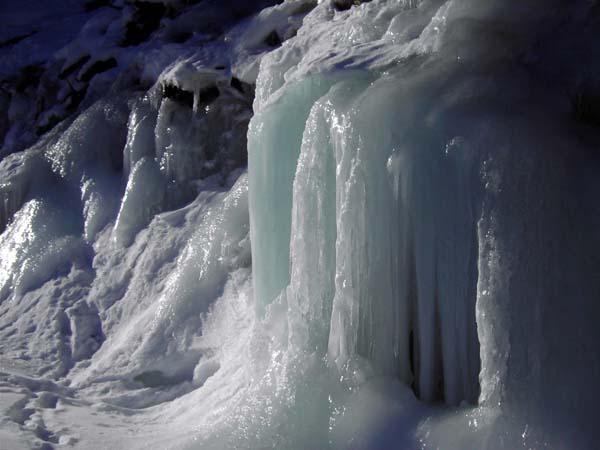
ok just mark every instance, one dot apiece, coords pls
pixel 417 222
pixel 382 265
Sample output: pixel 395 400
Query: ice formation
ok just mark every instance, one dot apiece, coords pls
pixel 410 259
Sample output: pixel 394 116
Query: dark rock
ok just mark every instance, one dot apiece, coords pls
pixel 98 67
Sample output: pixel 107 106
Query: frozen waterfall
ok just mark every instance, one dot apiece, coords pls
pixel 379 225
pixel 300 225
pixel 409 215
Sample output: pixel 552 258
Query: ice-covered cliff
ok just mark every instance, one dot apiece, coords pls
pixel 409 260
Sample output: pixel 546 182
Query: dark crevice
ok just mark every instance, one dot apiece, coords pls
pixel 77 65
pixel 179 37
pixel 413 305
pixel 585 106
pixel 272 39
pixel 178 95
pixel 412 357
pixel 236 84
pixel 209 94
pixel 146 19
pixel 242 87
pixel 98 67
pixel 92 5
pixel 29 76
pixel 435 390
pixel 50 123
pixel 344 5
pixel 157 379
pixel 75 98
pixel 439 392
pixel 15 40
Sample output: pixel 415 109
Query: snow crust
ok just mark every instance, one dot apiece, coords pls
pixel 409 260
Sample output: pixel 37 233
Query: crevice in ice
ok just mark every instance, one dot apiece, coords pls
pixel 74 67
pixel 272 39
pixel 208 94
pixel 156 378
pixel 179 95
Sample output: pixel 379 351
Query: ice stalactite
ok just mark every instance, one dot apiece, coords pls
pixel 176 137
pixel 278 133
pixel 11 200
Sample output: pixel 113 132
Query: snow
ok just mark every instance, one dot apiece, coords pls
pixel 408 260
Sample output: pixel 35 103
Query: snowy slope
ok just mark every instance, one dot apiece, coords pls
pixel 324 225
